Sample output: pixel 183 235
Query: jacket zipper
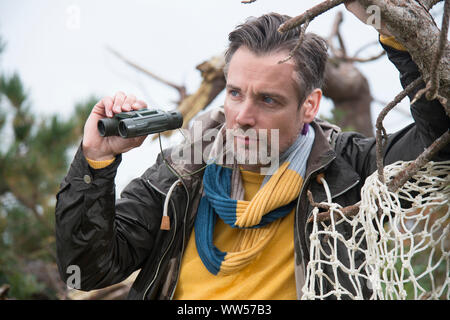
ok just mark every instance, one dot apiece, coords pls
pixel 170 243
pixel 184 237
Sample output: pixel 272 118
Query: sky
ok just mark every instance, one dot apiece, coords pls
pixel 58 47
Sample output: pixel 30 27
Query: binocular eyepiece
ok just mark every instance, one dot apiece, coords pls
pixel 139 123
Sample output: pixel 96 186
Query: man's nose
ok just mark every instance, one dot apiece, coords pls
pixel 247 114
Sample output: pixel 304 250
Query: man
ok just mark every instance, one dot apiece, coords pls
pixel 234 233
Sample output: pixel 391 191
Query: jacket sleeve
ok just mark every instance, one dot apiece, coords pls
pixel 430 122
pixel 105 238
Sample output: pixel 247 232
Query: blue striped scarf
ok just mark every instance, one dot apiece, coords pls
pixel 274 200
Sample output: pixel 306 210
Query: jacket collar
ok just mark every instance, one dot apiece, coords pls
pixel 338 173
pixel 322 153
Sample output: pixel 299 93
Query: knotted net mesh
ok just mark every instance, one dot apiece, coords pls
pixel 396 247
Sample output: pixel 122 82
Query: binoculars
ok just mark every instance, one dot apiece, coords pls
pixel 139 123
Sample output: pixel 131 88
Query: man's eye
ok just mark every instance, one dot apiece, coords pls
pixel 234 93
pixel 268 100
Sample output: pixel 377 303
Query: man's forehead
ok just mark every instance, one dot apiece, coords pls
pixel 263 73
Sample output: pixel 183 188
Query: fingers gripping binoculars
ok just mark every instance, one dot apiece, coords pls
pixel 139 123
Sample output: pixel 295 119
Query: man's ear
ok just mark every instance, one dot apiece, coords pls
pixel 311 105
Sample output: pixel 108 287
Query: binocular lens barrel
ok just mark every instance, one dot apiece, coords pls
pixel 108 127
pixel 139 123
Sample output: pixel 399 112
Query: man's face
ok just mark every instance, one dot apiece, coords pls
pixel 262 94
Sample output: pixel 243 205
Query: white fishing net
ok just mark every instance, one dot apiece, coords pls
pixel 396 247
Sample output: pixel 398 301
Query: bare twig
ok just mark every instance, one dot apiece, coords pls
pixel 341 53
pixel 349 211
pixel 299 42
pixel 381 132
pixel 181 89
pixel 401 111
pixel 421 160
pixel 309 14
pixel 364 47
pixel 373 58
pixel 316 204
pixel 335 32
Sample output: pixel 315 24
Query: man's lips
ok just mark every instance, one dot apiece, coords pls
pixel 245 139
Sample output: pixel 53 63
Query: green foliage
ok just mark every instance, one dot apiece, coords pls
pixel 13 89
pixel 32 164
pixel 13 228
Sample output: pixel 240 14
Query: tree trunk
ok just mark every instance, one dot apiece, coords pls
pixel 350 92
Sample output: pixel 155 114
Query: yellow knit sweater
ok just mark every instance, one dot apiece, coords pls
pixel 270 276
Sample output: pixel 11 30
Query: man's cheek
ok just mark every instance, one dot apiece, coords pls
pixel 228 117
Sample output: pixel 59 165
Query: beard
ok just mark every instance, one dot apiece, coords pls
pixel 254 149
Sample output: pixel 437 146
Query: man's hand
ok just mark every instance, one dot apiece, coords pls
pixel 360 12
pixel 96 147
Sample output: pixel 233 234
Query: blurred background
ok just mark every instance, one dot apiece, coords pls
pixel 59 57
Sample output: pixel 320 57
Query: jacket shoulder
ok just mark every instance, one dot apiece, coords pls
pixel 331 131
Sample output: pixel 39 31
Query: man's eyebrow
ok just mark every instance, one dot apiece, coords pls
pixel 230 86
pixel 262 93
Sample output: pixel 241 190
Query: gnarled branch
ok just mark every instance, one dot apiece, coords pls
pixel 415 29
pixel 309 15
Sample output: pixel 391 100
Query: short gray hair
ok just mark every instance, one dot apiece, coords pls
pixel 261 36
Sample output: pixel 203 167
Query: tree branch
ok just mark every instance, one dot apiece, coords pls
pixel 368 59
pixel 406 174
pixel 181 89
pixel 349 211
pixel 415 29
pixel 364 47
pixel 309 15
pixel 316 204
pixel 335 32
pixel 299 42
pixel 381 132
pixel 346 85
